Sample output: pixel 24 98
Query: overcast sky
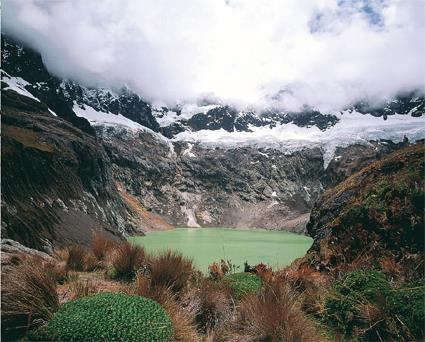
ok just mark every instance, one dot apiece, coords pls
pixel 323 53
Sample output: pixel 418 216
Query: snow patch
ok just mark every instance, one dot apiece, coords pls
pixel 97 118
pixel 185 113
pixel 17 84
pixel 188 152
pixel 52 112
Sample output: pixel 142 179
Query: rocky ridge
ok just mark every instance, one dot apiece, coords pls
pixel 374 214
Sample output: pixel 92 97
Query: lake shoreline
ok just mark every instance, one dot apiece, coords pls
pixel 207 245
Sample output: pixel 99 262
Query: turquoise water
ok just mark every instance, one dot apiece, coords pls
pixel 206 245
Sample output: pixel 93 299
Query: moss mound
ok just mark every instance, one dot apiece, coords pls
pixel 111 317
pixel 244 283
pixel 365 303
pixel 408 303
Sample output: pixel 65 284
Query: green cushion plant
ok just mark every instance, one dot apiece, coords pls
pixel 111 317
pixel 244 283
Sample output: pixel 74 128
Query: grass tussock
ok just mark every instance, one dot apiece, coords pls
pixel 29 297
pixel 59 271
pixel 183 322
pixel 171 270
pixel 91 263
pixel 125 260
pixel 76 257
pixel 215 304
pixel 273 315
pixel 61 254
pixel 100 246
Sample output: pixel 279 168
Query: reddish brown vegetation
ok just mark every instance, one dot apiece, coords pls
pixel 183 322
pixel 215 304
pixel 265 272
pixel 29 296
pixel 126 259
pixel 75 258
pixel 100 246
pixel 82 288
pixel 274 315
pixel 171 270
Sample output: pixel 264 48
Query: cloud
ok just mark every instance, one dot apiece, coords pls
pixel 324 53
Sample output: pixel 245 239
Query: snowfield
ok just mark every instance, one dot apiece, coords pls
pixel 352 128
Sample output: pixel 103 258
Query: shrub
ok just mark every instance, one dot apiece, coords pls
pixel 171 269
pixel 219 270
pixel 126 259
pixel 244 283
pixel 76 257
pixel 407 303
pixel 111 317
pixel 358 287
pixel 274 314
pixel 29 297
pixel 100 246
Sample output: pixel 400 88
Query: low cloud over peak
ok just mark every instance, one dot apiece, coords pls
pixel 324 53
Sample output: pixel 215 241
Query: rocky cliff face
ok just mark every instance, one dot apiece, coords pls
pixel 375 213
pixel 189 185
pixel 56 179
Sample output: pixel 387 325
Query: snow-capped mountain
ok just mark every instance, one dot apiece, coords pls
pixel 24 69
pixel 209 123
pixel 107 157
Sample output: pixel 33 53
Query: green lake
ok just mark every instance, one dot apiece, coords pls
pixel 206 245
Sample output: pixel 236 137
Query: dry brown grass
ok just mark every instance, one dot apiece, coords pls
pixel 215 305
pixel 91 263
pixel 76 257
pixel 61 254
pixel 390 267
pixel 311 286
pixel 171 270
pixel 82 288
pixel 29 297
pixel 126 259
pixel 59 271
pixel 100 246
pixel 274 315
